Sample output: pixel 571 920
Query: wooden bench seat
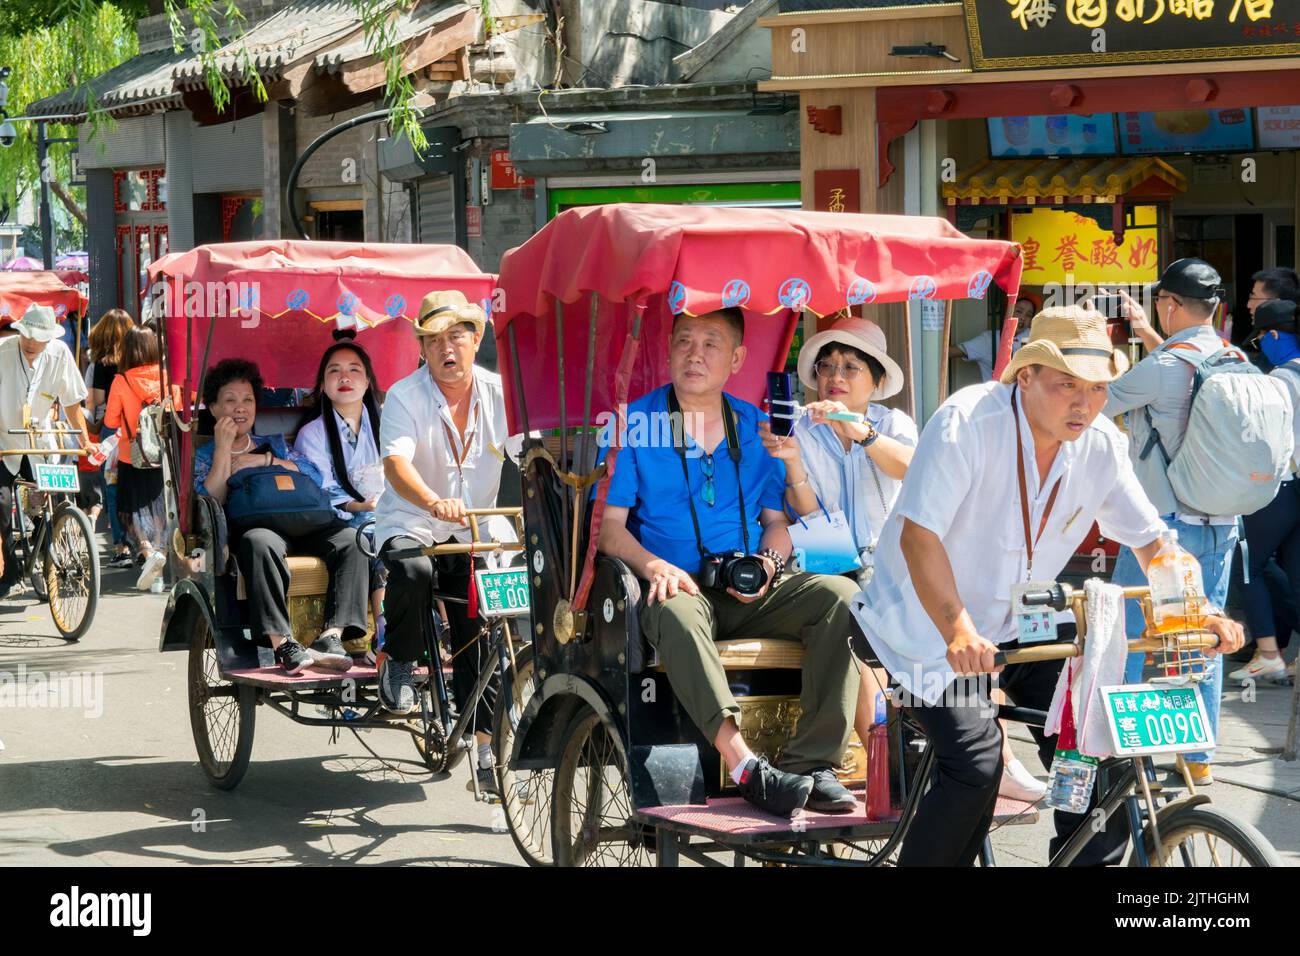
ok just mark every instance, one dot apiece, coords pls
pixel 771 653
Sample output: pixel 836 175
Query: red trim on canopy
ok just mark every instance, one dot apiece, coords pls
pixel 278 301
pixel 19 290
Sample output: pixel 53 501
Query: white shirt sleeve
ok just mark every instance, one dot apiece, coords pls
pixel 1127 514
pixel 942 471
pixel 979 348
pixel 397 430
pixel 65 381
pixel 312 444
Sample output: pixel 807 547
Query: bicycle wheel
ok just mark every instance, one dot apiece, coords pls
pixel 591 812
pixel 1204 835
pixel 71 572
pixel 525 794
pixel 222 714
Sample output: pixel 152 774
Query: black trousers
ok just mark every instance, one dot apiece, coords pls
pixel 409 612
pixel 261 556
pixel 955 814
pixel 12 572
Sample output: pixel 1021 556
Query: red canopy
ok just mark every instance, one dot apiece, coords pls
pixel 262 294
pixel 18 290
pixel 695 259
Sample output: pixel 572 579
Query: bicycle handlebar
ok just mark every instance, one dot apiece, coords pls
pixel 1188 641
pixel 451 547
pixel 45 452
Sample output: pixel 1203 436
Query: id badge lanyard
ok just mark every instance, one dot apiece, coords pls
pixel 1030 541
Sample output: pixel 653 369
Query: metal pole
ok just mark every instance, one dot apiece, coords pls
pixel 316 144
pixel 47 227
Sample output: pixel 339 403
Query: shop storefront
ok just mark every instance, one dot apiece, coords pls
pixel 1109 138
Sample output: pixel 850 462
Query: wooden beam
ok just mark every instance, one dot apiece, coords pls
pixel 368 72
pixel 815 18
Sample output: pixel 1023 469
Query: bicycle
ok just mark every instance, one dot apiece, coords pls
pixel 58 555
pixel 448 735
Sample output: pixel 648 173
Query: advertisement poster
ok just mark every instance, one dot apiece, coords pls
pixel 1058 244
pixel 1086 135
pixel 1279 127
pixel 1186 131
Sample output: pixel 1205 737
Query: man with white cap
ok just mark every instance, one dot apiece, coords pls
pixel 1006 481
pixel 36 371
pixel 443 441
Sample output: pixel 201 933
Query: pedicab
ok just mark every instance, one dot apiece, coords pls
pixel 59 554
pixel 588 305
pixel 277 302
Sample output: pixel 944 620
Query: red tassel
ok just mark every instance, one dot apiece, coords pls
pixel 1067 738
pixel 471 610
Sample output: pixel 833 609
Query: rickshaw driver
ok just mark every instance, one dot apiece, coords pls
pixel 648 524
pixel 37 370
pixel 940 602
pixel 443 436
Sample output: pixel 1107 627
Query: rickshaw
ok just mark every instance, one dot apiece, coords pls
pixel 588 305
pixel 277 302
pixel 54 539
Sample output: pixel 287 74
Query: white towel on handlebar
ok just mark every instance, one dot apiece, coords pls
pixel 1104 654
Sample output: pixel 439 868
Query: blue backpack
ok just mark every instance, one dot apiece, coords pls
pixel 279 499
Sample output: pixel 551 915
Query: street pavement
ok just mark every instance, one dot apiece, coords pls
pixel 114 780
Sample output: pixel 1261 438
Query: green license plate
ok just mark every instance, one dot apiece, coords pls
pixel 57 478
pixel 502 593
pixel 1146 719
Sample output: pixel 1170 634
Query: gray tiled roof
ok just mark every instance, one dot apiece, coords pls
pixel 146 78
pixel 306 28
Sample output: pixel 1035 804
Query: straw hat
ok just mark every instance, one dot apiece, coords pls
pixel 440 311
pixel 38 323
pixel 863 335
pixel 1073 340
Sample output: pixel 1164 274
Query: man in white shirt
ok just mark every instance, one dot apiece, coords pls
pixel 39 371
pixel 443 440
pixel 982 349
pixel 997 460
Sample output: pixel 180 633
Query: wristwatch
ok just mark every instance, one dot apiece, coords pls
pixel 775 557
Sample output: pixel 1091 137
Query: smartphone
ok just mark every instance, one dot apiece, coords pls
pixel 780 402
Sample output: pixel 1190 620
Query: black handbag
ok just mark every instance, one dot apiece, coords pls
pixel 279 499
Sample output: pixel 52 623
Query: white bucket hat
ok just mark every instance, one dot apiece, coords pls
pixel 863 335
pixel 38 323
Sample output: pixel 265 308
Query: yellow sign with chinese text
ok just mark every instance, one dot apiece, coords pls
pixel 1058 243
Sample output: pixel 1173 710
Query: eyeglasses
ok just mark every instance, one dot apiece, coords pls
pixel 830 370
pixel 1260 298
pixel 710 491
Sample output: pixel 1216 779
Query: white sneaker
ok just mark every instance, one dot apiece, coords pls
pixel 1019 784
pixel 1260 668
pixel 153 566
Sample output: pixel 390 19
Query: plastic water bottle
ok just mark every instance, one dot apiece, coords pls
pixel 878 804
pixel 1072 778
pixel 105 449
pixel 1177 588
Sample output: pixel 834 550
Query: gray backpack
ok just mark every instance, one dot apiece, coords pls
pixel 1238 444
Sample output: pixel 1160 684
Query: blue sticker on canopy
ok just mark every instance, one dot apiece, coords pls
pixel 347 304
pixel 297 299
pixel 861 291
pixel 979 284
pixel 60 309
pixel 248 298
pixel 735 293
pixel 394 305
pixel 676 297
pixel 486 304
pixel 794 293
pixel 923 287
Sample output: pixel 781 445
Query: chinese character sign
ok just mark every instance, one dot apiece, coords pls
pixel 1024 34
pixel 836 190
pixel 1057 243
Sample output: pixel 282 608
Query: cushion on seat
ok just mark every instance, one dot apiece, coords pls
pixel 758 654
pixel 307 576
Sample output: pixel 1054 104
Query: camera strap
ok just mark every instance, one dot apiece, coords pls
pixel 733 452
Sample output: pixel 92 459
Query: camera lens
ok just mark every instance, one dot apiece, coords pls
pixel 748 576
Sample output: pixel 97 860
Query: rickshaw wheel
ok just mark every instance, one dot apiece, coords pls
pixel 525 794
pixel 591 813
pixel 222 714
pixel 1204 836
pixel 70 572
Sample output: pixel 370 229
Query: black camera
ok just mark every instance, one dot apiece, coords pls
pixel 743 573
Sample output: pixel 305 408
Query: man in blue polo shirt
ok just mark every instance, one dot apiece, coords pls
pixel 711 489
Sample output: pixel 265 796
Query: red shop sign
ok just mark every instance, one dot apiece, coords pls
pixel 504 174
pixel 473 222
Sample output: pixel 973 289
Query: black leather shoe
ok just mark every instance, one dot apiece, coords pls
pixel 775 792
pixel 828 794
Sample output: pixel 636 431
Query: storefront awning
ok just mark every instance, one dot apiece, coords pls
pixel 1037 180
